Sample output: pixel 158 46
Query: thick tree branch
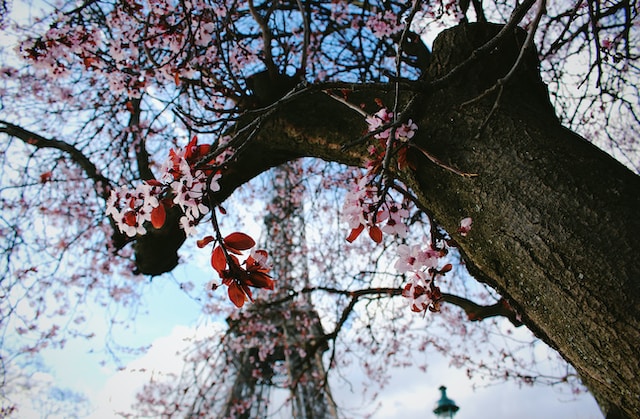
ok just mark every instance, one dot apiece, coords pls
pixel 142 156
pixel 476 312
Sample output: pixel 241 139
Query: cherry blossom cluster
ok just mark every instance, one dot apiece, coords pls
pixel 365 208
pixel 384 117
pixel 384 24
pixel 59 47
pixel 180 184
pixel 381 125
pixel 422 265
pixel 130 208
pixel 190 192
pixel 183 185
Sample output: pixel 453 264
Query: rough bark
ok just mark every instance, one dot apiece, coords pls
pixel 555 219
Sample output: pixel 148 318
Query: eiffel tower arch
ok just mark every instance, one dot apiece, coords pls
pixel 288 361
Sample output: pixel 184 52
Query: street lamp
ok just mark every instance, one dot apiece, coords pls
pixel 445 407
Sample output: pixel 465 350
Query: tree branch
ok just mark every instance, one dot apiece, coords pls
pixel 476 312
pixel 103 185
pixel 142 156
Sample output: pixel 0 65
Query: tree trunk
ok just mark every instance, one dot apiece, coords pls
pixel 555 219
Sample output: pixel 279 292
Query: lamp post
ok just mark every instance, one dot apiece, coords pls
pixel 445 407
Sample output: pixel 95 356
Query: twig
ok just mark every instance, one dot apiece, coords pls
pixel 267 37
pixel 396 98
pixel 346 103
pixel 441 163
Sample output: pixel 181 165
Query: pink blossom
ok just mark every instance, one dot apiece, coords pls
pixel 465 226
pixel 406 131
pixel 409 258
pixel 395 216
pixel 384 24
pixel 378 120
pixel 418 292
pixel 188 225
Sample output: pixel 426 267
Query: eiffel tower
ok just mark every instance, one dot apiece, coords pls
pixel 291 367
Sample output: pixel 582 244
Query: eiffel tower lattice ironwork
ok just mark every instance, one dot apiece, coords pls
pixel 289 357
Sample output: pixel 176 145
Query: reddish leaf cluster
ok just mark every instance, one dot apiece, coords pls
pixel 192 153
pixel 234 275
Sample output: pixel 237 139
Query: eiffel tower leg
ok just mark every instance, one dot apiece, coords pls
pixel 293 326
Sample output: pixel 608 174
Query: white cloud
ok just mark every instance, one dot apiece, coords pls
pixel 162 358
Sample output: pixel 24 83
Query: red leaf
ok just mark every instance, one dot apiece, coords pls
pixel 89 62
pixel 174 156
pixel 204 241
pixel 376 234
pixel 405 159
pixel 202 150
pixel 248 293
pixel 446 268
pixel 190 148
pixel 218 261
pixel 158 216
pixel 45 177
pixel 355 233
pixel 239 241
pixel 260 279
pixel 236 294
